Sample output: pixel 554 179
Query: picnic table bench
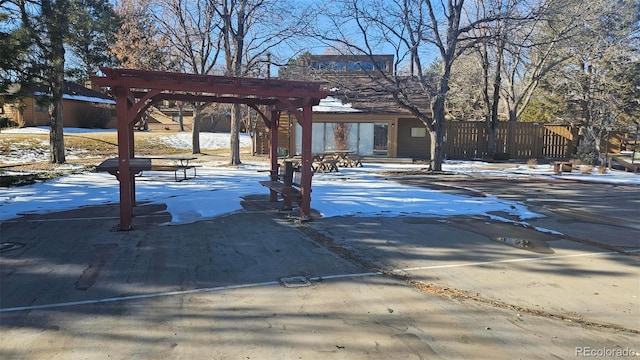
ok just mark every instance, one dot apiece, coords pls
pixel 285 185
pixel 180 165
pixel 628 163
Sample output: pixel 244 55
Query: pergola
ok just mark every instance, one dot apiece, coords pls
pixel 136 90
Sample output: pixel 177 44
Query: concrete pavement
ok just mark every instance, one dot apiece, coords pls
pixel 389 288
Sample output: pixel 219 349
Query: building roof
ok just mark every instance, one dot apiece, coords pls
pixel 376 95
pixel 72 91
pixel 75 91
pixel 359 89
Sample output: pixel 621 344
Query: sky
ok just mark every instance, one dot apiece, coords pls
pixel 218 190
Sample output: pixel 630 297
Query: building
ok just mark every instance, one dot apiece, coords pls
pixel 81 106
pixel 360 115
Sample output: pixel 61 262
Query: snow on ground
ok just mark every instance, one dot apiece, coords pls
pixel 207 140
pixel 218 190
pixel 521 170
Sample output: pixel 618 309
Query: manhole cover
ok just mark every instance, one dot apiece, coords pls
pixel 6 246
pixel 294 281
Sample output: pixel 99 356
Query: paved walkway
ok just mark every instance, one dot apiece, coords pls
pixel 254 285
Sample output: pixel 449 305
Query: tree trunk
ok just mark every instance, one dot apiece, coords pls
pixel 436 133
pixel 492 145
pixel 195 130
pixel 236 113
pixel 235 137
pixel 181 116
pixel 513 115
pixel 56 133
pixel 56 26
pixel 495 101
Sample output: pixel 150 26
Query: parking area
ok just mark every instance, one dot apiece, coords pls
pixel 255 285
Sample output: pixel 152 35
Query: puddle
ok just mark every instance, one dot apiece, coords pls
pixel 533 245
pixel 513 235
pixel 7 246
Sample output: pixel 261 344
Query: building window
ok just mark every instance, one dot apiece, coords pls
pixel 328 65
pixel 418 132
pixel 382 65
pixel 364 138
pixel 41 106
pixel 360 65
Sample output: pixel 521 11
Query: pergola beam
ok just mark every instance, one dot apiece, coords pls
pixel 209 83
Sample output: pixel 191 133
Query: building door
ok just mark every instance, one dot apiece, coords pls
pixel 380 139
pixel 413 139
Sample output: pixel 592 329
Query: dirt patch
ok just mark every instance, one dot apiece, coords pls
pixel 442 290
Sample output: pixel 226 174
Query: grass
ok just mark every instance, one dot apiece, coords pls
pixel 7 180
pixel 90 149
pixel 92 144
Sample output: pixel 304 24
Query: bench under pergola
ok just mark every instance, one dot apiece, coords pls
pixel 136 90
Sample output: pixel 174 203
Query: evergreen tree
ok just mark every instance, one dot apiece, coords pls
pixel 93 27
pixel 47 26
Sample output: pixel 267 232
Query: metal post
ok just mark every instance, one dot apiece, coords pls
pixel 606 155
pixel 307 139
pixel 635 142
pixel 288 181
pixel 273 151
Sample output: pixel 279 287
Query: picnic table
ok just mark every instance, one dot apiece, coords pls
pixel 324 162
pixel 329 161
pixel 178 164
pixel 347 158
pixel 342 158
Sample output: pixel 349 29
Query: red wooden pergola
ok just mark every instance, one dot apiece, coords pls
pixel 136 90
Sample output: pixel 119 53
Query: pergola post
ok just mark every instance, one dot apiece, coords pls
pixel 273 151
pixel 125 177
pixel 307 139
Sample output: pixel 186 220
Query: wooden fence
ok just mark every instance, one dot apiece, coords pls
pixel 467 140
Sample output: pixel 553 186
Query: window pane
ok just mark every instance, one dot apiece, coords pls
pixel 418 132
pixel 329 144
pixel 352 137
pixel 299 138
pixel 317 142
pixel 365 145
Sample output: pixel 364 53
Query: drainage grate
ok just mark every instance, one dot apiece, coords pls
pixel 6 246
pixel 294 281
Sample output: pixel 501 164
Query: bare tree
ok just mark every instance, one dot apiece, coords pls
pixel 533 48
pixel 191 27
pixel 250 30
pixel 414 30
